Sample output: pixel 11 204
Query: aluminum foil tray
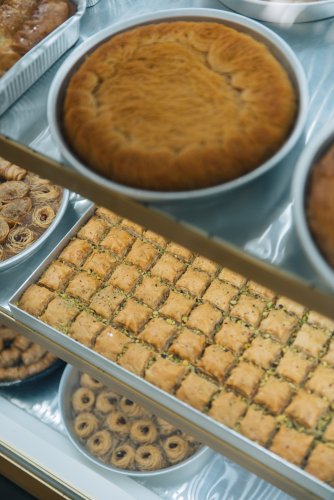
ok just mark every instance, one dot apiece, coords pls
pixel 187 418
pixel 39 59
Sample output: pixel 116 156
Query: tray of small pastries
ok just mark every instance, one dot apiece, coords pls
pixel 30 209
pixel 23 361
pixel 34 34
pixel 194 334
pixel 122 436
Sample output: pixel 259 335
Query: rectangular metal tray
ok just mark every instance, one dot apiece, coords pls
pixel 40 58
pixel 224 440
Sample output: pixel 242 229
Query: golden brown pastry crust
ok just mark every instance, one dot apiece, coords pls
pixel 320 204
pixel 178 106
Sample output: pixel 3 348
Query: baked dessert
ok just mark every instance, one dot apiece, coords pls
pixel 320 204
pixel 24 23
pixel 28 205
pixel 259 363
pixel 20 358
pixel 119 432
pixel 178 106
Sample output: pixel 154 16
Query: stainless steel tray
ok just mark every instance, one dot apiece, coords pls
pixel 189 419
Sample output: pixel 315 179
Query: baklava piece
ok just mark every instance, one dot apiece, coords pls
pixel 233 335
pixel 100 263
pixel 322 382
pixel 155 238
pixel 263 352
pixel 165 374
pixel 59 314
pixel 329 357
pixel 310 340
pixel 228 408
pixel 306 409
pixel 56 276
pixel 194 282
pixel 232 277
pixel 329 433
pixel 107 215
pixel 118 241
pixel 275 395
pixel 205 318
pixel 294 367
pixel 279 325
pixel 111 342
pixel 179 251
pixel 132 227
pixel 196 391
pixel 85 328
pixel 106 301
pixel 125 276
pixel 151 291
pixel 206 265
pixel 245 379
pixel 249 309
pixel 177 306
pixel 76 252
pixel 316 319
pixel 142 254
pixel 216 362
pixel 291 445
pixel 158 333
pixel 83 286
pixel 133 316
pixel 135 359
pixel 93 230
pixel 220 294
pixel 260 290
pixel 188 345
pixel 35 299
pixel 258 426
pixel 321 463
pixel 291 306
pixel 168 268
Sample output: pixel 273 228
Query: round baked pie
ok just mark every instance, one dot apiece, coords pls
pixel 178 106
pixel 320 204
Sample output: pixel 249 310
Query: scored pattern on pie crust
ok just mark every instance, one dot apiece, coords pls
pixel 260 364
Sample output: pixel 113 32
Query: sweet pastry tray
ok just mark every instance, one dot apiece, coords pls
pixel 38 60
pixel 205 429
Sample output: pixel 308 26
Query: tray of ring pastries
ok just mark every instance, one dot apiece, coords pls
pixel 257 363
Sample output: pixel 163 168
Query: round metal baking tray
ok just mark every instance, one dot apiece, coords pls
pixel 313 151
pixel 12 261
pixel 70 381
pixel 57 364
pixel 282 12
pixel 276 45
